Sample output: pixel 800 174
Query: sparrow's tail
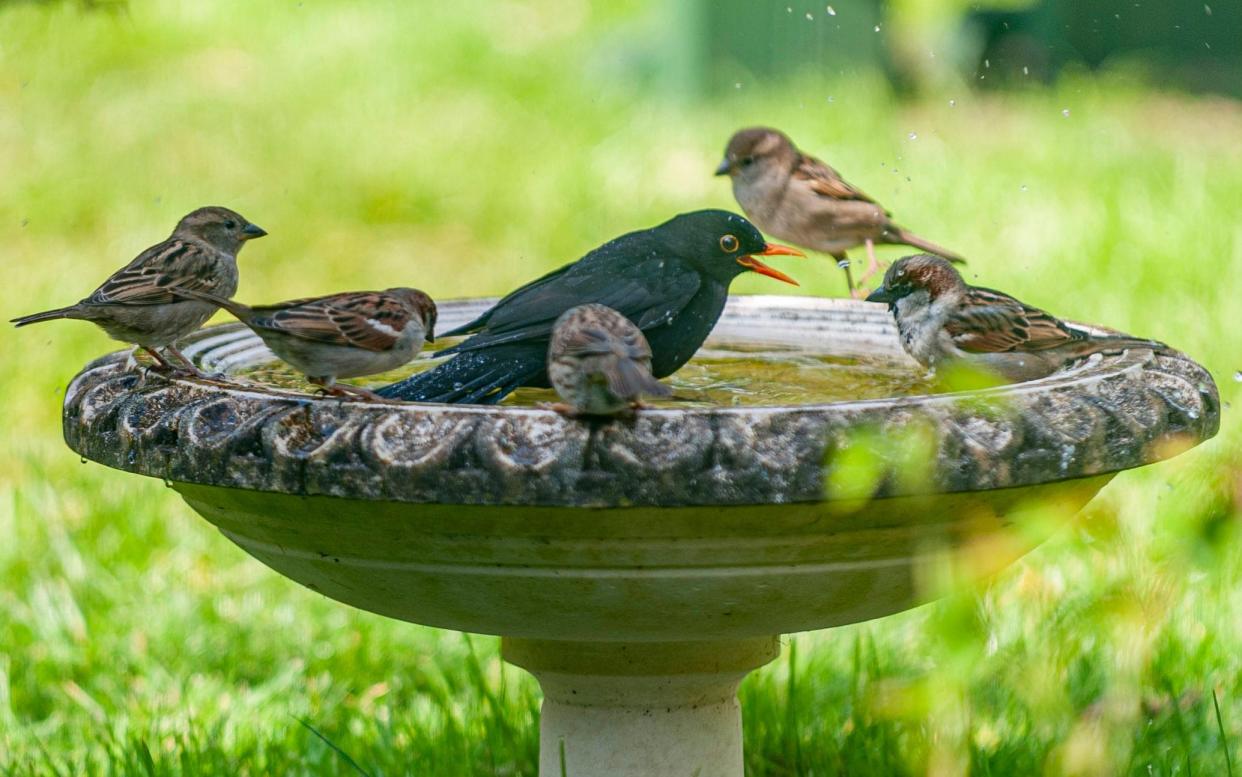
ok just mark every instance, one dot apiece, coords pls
pixel 896 234
pixel 1117 343
pixel 628 378
pixel 73 311
pixel 482 377
pixel 239 310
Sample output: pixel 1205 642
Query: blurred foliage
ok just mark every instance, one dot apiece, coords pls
pixel 464 149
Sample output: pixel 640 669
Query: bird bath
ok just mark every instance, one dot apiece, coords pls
pixel 638 569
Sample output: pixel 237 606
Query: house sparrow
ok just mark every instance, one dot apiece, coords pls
pixel 137 304
pixel 671 281
pixel 798 198
pixel 941 319
pixel 599 362
pixel 344 335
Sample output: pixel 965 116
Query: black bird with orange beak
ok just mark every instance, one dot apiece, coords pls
pixel 671 281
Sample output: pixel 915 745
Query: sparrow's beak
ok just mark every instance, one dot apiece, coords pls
pixel 881 294
pixel 725 167
pixel 251 231
pixel 754 265
pixel 431 335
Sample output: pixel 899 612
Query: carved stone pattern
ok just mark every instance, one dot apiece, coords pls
pixel 1109 414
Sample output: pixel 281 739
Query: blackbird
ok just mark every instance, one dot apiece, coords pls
pixel 671 281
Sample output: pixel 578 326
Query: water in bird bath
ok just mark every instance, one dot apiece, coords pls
pixel 721 374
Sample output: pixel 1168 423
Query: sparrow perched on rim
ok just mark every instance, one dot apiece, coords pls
pixel 137 304
pixel 941 319
pixel 671 281
pixel 799 198
pixel 344 335
pixel 600 363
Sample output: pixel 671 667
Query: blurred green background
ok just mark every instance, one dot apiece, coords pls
pixel 466 147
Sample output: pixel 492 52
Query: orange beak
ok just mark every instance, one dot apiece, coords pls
pixel 771 249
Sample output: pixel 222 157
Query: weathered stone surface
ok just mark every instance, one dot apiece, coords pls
pixel 1105 414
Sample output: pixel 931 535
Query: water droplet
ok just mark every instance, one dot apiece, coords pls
pixel 1025 70
pixel 1022 187
pixel 1237 376
pixel 831 11
pixel 1207 9
pixel 1065 112
pixel 877 28
pixel 913 136
pixel 788 9
pixel 952 103
pixel 831 98
pixel 809 18
pixel 987 63
pixel 738 85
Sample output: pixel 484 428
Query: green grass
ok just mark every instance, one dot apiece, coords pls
pixel 464 148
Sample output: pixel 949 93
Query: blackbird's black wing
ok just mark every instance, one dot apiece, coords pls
pixel 649 292
pixel 482 320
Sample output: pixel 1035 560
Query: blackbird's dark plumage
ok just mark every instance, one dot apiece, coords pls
pixel 600 363
pixel 671 281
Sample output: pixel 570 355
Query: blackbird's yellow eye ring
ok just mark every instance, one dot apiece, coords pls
pixel 728 244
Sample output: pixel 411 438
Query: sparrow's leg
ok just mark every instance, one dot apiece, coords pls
pixel 873 264
pixel 843 262
pixel 188 368
pixel 162 365
pixel 329 387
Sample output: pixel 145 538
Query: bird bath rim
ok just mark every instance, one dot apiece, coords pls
pixel 1106 413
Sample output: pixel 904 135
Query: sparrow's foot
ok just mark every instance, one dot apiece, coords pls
pixel 351 392
pixel 873 265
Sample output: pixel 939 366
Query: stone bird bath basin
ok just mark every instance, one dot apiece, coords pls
pixel 639 570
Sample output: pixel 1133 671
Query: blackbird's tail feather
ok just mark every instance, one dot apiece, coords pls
pixel 481 377
pixel 627 378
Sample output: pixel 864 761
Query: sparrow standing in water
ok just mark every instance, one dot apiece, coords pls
pixel 671 281
pixel 600 363
pixel 344 335
pixel 137 304
pixel 941 319
pixel 798 198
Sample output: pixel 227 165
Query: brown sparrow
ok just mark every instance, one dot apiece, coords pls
pixel 344 335
pixel 798 198
pixel 599 362
pixel 137 303
pixel 941 319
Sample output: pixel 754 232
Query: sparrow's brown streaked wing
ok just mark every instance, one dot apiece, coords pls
pixel 990 322
pixel 825 181
pixel 373 321
pixel 596 339
pixel 146 280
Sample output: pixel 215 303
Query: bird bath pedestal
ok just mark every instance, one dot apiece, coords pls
pixel 637 569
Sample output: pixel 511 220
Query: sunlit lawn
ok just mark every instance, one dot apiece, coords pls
pixel 464 148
